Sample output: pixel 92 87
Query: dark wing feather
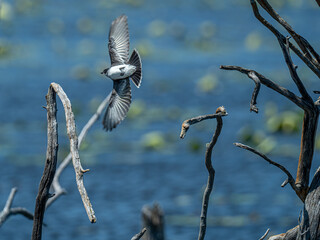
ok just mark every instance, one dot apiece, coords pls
pixel 119 104
pixel 119 41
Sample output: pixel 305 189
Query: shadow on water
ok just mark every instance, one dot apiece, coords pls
pixel 182 44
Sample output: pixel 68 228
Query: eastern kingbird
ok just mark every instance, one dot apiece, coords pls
pixel 122 68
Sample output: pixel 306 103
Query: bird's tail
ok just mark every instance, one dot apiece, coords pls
pixel 135 60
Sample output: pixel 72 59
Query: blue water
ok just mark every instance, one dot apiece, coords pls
pixel 66 42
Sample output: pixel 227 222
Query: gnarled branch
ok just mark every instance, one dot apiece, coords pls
pixel 221 111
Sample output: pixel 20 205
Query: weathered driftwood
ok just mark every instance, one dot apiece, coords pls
pixel 220 112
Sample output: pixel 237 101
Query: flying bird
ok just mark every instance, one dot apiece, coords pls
pixel 122 68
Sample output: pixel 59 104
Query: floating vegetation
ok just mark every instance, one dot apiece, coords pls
pixel 80 72
pixel 136 109
pixel 85 25
pixel 257 139
pixel 6 12
pixel 195 145
pixel 288 122
pixel 157 28
pixel 207 83
pixel 145 48
pixel 153 141
pixel 5 49
pixel 253 41
pixel 207 29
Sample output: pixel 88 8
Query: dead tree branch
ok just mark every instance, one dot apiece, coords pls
pixel 153 222
pixel 270 84
pixel 186 124
pixel 139 235
pixel 265 234
pixel 8 210
pixel 255 93
pixel 58 190
pixel 303 44
pixel 289 180
pixel 311 114
pixel 71 130
pixel 221 111
pixel 301 54
pixel 50 166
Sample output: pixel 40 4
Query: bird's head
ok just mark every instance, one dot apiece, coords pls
pixel 105 71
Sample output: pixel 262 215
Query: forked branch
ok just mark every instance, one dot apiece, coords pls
pixel 8 210
pixel 302 54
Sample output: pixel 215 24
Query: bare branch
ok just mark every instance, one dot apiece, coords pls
pixel 139 235
pixel 290 178
pixel 50 166
pixel 71 130
pixel 220 112
pixel 302 43
pixel 8 211
pixel 292 69
pixel 270 84
pixel 55 184
pixel 265 234
pixel 280 37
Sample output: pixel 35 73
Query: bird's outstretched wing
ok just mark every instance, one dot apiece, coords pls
pixel 119 41
pixel 119 103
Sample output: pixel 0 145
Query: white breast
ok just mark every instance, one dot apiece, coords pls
pixel 121 71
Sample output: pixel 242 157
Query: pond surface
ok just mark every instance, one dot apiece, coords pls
pixel 143 161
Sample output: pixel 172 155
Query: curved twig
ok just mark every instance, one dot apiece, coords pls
pixel 270 84
pixel 71 130
pixel 221 111
pixel 58 190
pixel 8 211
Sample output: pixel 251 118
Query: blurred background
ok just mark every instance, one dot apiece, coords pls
pixel 182 44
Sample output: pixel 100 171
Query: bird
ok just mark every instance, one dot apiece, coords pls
pixel 121 70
